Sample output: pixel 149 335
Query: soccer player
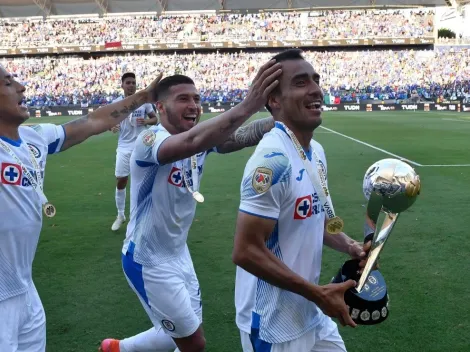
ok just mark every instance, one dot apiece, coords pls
pixel 128 130
pixel 23 153
pixel 280 230
pixel 166 168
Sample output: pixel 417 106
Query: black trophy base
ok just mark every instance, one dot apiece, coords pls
pixel 370 306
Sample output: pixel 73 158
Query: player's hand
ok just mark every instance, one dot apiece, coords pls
pixel 360 252
pixel 332 302
pixel 265 81
pixel 150 96
pixel 115 129
pixel 140 121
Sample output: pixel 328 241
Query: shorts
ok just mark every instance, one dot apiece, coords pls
pixel 23 323
pixel 123 168
pixel 169 293
pixel 324 337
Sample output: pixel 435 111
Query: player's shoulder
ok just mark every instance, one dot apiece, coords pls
pixel 317 146
pixel 117 99
pixel 33 132
pixel 269 156
pixel 272 139
pixel 150 135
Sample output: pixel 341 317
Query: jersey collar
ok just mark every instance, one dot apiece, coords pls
pixel 15 143
pixel 307 152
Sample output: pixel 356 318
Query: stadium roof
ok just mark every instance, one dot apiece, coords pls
pixel 29 8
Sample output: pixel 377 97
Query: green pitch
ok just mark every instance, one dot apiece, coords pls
pixel 78 273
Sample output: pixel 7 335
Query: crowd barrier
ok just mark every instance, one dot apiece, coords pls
pixel 77 111
pixel 235 44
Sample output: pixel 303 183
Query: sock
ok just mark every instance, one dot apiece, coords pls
pixel 152 340
pixel 121 201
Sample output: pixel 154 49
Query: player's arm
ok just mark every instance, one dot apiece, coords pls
pixel 106 117
pixel 215 131
pixel 251 254
pixel 339 242
pixel 152 120
pixel 246 136
pixel 345 244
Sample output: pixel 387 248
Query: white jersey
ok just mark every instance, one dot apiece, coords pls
pixel 129 129
pixel 275 185
pixel 21 207
pixel 162 209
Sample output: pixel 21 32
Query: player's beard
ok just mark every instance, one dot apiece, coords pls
pixel 178 122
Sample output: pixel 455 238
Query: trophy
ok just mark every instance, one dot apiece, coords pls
pixel 390 186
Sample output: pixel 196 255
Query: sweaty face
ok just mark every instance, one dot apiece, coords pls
pixel 299 97
pixel 129 86
pixel 12 100
pixel 181 108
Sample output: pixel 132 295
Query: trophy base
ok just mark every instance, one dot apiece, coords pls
pixel 370 306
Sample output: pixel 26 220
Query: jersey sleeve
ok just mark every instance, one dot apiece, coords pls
pixel 148 108
pixel 147 144
pixel 53 136
pixel 265 183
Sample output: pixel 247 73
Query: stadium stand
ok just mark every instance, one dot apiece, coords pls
pixel 361 54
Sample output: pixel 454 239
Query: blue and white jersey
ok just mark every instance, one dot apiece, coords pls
pixel 21 207
pixel 128 127
pixel 162 208
pixel 275 185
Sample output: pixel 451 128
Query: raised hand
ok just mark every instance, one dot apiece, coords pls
pixel 150 96
pixel 264 83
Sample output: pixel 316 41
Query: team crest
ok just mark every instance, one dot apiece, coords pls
pixel 148 138
pixel 168 325
pixel 11 174
pixel 303 208
pixel 262 179
pixel 176 177
pixel 35 150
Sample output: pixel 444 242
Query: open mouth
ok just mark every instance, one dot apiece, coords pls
pixel 190 118
pixel 22 103
pixel 316 105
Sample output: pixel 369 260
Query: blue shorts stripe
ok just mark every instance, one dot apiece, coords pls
pixel 133 271
pixel 258 344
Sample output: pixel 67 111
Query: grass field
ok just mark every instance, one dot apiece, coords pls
pixel 77 268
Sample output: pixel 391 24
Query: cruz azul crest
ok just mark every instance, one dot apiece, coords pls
pixel 262 179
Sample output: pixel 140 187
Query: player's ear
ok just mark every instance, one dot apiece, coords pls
pixel 273 101
pixel 160 107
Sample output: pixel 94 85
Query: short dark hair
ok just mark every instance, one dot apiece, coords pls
pixel 289 54
pixel 127 75
pixel 165 84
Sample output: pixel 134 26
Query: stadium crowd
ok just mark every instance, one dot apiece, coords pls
pixel 337 24
pixel 224 77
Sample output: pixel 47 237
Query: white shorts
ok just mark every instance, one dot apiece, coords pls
pixel 324 338
pixel 23 323
pixel 123 168
pixel 169 293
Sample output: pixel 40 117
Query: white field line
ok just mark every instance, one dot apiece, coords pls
pixel 455 165
pixel 372 146
pixel 458 120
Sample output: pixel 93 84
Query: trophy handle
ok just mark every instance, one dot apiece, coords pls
pixel 374 208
